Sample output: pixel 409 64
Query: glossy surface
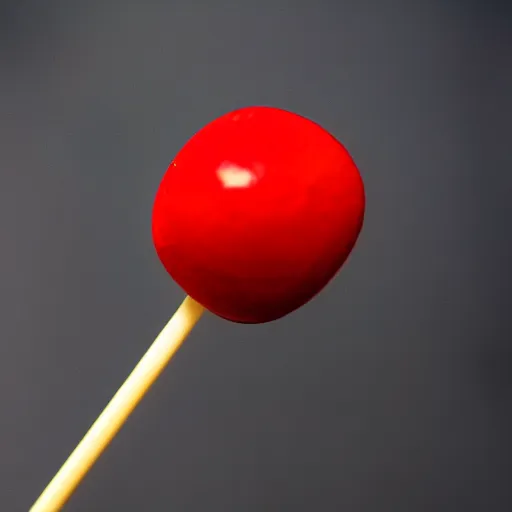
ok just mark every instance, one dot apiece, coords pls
pixel 257 213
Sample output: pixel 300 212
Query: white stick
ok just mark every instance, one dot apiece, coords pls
pixel 120 407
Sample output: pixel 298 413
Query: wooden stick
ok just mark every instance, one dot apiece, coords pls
pixel 120 407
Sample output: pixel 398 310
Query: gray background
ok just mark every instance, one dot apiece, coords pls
pixel 392 391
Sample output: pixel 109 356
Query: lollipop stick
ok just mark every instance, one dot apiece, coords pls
pixel 120 407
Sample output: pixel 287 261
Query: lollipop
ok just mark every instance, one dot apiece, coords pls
pixel 254 216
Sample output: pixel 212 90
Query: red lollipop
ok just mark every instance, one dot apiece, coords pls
pixel 257 213
pixel 253 218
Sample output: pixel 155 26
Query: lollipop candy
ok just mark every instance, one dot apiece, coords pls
pixel 254 216
pixel 257 213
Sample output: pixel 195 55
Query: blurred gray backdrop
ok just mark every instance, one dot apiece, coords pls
pixel 392 391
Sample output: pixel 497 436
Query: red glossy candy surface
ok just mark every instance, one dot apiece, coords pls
pixel 257 213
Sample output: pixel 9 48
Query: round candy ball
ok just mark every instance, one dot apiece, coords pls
pixel 257 213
